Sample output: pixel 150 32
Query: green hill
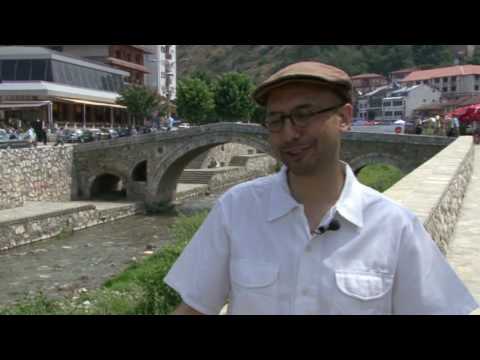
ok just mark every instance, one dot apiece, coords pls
pixel 260 61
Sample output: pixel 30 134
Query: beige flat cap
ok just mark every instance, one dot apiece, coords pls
pixel 310 72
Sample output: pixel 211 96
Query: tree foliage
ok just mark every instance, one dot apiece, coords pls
pixel 233 100
pixel 195 100
pixel 141 102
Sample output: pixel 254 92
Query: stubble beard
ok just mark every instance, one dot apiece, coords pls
pixel 319 161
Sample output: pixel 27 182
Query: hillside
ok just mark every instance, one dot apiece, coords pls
pixel 260 61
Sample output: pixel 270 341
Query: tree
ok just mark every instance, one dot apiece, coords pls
pixel 141 102
pixel 432 55
pixel 233 100
pixel 476 57
pixel 384 59
pixel 195 100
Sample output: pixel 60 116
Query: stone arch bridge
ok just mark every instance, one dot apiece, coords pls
pixel 149 166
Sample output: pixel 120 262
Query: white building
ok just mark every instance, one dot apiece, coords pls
pixel 401 103
pixel 162 66
pixel 454 82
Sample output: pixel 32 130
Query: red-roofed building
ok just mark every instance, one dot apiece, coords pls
pixel 365 83
pixel 454 81
pixel 401 74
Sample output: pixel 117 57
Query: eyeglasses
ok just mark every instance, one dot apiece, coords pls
pixel 300 118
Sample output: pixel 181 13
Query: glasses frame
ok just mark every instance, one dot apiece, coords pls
pixel 291 116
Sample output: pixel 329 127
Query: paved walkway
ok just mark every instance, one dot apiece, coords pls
pixel 464 252
pixel 43 208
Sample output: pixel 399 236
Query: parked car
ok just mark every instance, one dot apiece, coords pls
pixel 78 136
pixel 4 135
pixel 113 133
pixel 104 134
pixel 123 132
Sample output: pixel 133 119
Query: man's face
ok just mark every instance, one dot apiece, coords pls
pixel 314 149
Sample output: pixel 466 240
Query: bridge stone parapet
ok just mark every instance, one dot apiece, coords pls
pixel 435 191
pixel 150 165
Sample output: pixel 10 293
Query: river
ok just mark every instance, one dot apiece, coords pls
pixel 85 259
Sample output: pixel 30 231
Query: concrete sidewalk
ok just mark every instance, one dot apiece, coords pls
pixel 464 251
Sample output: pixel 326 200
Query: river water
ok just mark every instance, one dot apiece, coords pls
pixel 86 259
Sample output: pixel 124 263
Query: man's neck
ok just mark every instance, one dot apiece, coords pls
pixel 321 190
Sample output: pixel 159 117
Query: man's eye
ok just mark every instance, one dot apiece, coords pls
pixel 302 114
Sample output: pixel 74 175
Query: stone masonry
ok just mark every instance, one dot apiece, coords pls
pixel 167 155
pixel 35 174
pixel 436 190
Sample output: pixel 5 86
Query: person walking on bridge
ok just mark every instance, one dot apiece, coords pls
pixel 311 239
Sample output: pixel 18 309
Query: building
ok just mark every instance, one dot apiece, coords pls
pixel 401 104
pixel 454 82
pixel 369 106
pixel 368 82
pixel 399 75
pixel 130 58
pixel 463 52
pixel 74 90
pixel 162 66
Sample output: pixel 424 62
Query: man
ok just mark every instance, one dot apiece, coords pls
pixel 60 137
pixel 311 239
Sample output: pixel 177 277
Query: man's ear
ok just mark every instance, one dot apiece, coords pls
pixel 346 115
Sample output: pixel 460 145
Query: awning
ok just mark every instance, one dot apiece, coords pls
pixel 92 103
pixel 23 105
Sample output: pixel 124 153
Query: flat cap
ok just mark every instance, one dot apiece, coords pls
pixel 309 72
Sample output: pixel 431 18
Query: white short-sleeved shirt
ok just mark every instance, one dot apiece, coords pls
pixel 255 252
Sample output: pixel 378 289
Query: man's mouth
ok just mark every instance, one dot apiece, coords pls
pixel 297 151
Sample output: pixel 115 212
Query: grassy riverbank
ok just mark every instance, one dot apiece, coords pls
pixel 379 177
pixel 139 290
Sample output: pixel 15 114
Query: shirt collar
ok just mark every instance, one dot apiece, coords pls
pixel 349 205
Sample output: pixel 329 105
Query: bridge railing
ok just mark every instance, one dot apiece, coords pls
pixel 435 191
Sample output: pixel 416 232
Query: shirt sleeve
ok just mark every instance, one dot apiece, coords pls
pixel 425 284
pixel 201 273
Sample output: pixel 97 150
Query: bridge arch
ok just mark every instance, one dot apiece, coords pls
pixel 139 172
pixel 162 184
pixel 359 162
pixel 107 186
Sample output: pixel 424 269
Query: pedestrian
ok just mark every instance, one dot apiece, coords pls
pixel 32 137
pixel 60 137
pixel 311 239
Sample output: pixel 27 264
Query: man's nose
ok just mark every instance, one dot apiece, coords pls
pixel 289 131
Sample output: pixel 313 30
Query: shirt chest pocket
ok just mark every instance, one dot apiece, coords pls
pixel 362 293
pixel 254 287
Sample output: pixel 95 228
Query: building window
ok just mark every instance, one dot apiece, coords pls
pixel 118 54
pixel 129 57
pixel 454 88
pixel 425 81
pixel 476 87
pixel 477 77
pixel 418 82
pixel 454 78
pixel 387 103
pixel 138 59
pixel 445 79
pixel 388 113
pixel 163 49
pixel 437 81
pixel 398 113
pixel 445 89
pixel 398 103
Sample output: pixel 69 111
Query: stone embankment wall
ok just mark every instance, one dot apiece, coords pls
pixel 435 191
pixel 35 174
